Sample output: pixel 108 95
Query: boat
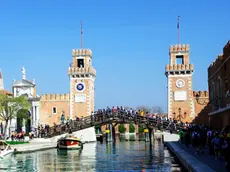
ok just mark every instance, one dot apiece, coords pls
pixel 69 142
pixel 5 149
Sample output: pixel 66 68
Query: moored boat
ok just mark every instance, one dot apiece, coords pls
pixel 5 149
pixel 69 142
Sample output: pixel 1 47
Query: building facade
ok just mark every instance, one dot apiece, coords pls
pixel 79 102
pixel 49 108
pixel 26 88
pixel 219 89
pixel 183 103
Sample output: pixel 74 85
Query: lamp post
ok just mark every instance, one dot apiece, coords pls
pixel 179 117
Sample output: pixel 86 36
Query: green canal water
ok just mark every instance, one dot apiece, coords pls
pixel 121 155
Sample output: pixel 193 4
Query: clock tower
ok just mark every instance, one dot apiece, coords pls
pixel 179 74
pixel 82 76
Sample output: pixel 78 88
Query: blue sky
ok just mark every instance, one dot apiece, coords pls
pixel 129 39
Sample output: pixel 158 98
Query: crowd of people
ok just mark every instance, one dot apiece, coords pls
pixel 201 137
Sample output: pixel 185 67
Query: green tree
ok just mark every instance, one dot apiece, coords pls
pixel 10 106
pixel 141 129
pixel 121 128
pixel 23 114
pixel 131 128
pixel 157 110
pixel 144 109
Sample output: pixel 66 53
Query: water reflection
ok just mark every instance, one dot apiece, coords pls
pixel 116 155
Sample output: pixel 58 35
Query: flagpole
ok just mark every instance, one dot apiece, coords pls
pixel 81 35
pixel 178 28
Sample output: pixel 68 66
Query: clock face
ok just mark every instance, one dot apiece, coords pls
pixel 80 87
pixel 180 83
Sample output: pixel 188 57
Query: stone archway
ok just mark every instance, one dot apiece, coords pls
pixel 23 121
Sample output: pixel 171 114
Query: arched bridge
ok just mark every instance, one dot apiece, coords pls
pixel 119 117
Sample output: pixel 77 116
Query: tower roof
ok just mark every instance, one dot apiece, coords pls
pixel 24 83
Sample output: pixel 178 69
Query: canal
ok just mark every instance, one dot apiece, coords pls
pixel 120 155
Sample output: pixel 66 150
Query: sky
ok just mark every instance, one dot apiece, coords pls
pixel 129 39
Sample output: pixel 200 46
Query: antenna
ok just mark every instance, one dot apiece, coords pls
pixel 81 35
pixel 178 28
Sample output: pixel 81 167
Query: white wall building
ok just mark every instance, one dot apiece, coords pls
pixel 27 88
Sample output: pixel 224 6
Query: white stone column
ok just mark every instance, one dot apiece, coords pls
pixel 24 125
pixel 13 124
pixel 33 117
pixel 37 116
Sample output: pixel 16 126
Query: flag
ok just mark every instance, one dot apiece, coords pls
pixel 178 22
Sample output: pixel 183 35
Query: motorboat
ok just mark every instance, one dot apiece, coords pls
pixel 69 142
pixel 5 149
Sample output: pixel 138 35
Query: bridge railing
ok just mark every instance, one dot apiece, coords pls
pixel 112 117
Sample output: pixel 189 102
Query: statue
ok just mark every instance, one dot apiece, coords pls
pixel 23 73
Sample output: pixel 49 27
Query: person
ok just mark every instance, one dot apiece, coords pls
pixel 181 134
pixel 196 141
pixel 62 118
pixel 216 141
pixel 187 138
pixel 209 141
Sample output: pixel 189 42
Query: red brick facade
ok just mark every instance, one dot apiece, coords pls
pixel 219 89
pixel 183 103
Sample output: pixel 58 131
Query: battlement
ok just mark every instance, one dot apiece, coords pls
pixel 55 97
pixel 226 49
pixel 178 67
pixel 81 52
pixel 179 47
pixel 203 94
pixel 222 57
pixel 77 70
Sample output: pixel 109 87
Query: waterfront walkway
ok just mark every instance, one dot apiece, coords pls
pixel 217 165
pixel 34 145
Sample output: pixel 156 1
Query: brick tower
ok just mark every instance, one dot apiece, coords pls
pixel 179 74
pixel 82 76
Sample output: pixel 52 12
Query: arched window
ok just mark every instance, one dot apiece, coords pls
pixel 219 93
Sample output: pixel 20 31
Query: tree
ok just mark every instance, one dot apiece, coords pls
pixel 141 128
pixel 144 108
pixel 121 128
pixel 126 107
pixel 131 128
pixel 157 110
pixel 23 114
pixel 10 106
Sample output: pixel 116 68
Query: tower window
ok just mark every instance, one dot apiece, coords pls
pixel 54 110
pixel 80 63
pixel 180 59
